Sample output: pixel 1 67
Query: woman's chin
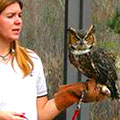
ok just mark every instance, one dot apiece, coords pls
pixel 14 38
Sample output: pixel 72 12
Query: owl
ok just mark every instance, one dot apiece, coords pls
pixel 92 61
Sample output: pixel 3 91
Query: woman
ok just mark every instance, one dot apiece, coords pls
pixel 23 91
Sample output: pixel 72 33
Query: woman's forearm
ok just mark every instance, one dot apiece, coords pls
pixel 49 110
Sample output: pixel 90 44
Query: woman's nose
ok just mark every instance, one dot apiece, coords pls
pixel 18 20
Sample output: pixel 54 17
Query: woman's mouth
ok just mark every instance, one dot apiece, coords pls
pixel 16 30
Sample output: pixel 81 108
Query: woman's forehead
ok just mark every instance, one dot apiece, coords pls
pixel 12 7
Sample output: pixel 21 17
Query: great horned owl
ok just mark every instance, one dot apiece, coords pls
pixel 91 61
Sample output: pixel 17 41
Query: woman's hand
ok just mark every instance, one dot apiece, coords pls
pixel 7 115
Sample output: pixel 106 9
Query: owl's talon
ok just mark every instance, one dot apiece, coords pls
pixel 105 90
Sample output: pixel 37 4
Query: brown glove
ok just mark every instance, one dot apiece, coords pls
pixel 71 93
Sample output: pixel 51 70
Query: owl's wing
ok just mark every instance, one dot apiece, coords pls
pixel 104 66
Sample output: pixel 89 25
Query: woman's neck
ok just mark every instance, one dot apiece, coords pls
pixel 4 47
pixel 5 55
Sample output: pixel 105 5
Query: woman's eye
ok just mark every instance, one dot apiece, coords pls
pixel 12 15
pixel 9 15
pixel 20 15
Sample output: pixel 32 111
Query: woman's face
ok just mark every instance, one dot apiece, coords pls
pixel 10 22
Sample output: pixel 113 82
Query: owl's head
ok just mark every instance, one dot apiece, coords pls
pixel 81 42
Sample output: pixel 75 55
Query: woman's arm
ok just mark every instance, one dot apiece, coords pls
pixel 46 109
pixel 68 95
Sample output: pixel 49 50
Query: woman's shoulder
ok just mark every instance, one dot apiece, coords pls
pixel 34 56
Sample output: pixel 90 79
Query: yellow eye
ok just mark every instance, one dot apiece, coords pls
pixel 73 36
pixel 90 39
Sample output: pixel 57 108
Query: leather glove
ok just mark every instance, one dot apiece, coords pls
pixel 71 93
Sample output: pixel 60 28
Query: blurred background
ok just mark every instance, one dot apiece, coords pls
pixel 43 32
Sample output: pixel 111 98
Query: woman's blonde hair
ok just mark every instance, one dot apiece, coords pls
pixel 5 3
pixel 20 53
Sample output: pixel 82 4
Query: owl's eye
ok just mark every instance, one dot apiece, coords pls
pixel 90 39
pixel 73 47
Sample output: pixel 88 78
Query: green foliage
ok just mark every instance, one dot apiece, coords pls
pixel 111 46
pixel 114 22
pixel 108 45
